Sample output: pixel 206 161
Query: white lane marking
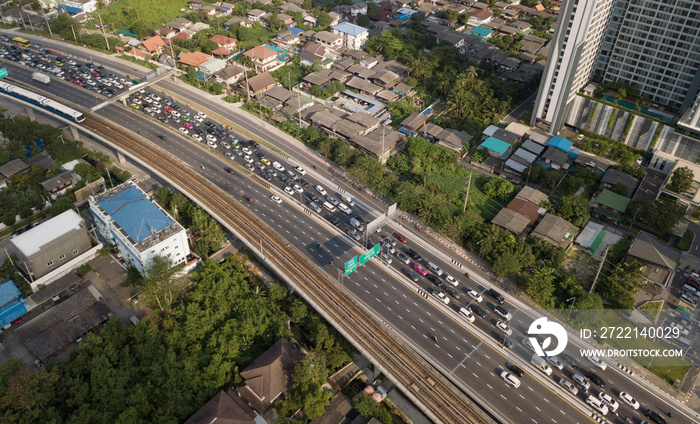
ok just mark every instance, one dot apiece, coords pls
pixel 489 386
pixel 504 397
pixel 518 409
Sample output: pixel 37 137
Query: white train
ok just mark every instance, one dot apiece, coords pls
pixel 42 101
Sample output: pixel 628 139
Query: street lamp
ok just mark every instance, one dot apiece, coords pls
pixel 480 245
pixel 572 306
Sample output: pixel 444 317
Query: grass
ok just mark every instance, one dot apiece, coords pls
pixel 669 374
pixel 695 216
pixel 686 242
pixel 125 14
pixel 653 309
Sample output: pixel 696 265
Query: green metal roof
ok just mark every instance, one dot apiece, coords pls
pixel 613 200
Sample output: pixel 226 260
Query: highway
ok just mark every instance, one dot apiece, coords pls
pixel 466 353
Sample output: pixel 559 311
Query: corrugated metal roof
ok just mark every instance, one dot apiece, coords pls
pixel 496 145
pixel 135 213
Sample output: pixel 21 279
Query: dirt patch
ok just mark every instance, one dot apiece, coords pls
pixel 582 265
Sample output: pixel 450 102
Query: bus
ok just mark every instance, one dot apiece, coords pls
pixel 22 42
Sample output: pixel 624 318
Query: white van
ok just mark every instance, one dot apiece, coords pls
pixel 466 314
pixel 343 207
pixel 597 404
pixel 510 379
pixel 540 364
pixel 690 289
pixel 357 224
pixel 329 207
pixel 436 269
pixel 347 199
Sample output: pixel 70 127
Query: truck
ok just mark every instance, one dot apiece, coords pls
pixel 38 76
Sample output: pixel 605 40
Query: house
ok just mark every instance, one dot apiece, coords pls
pixel 230 75
pixel 237 20
pixel 495 146
pixel 153 45
pixel 224 42
pixel 554 157
pixel 166 33
pixel 14 167
pixel 358 8
pixel 211 66
pixel 194 5
pixel 335 18
pixel 556 231
pixel 610 205
pixel 508 64
pixel 179 24
pixel 659 261
pixel 291 7
pixel 354 36
pixel 413 122
pixel 480 17
pixel 264 58
pixel 615 177
pixel 595 163
pixel 522 26
pixel 522 211
pixel 194 58
pixel 58 184
pixel 259 83
pixel 226 8
pixel 360 71
pixel 51 244
pixel 329 40
pixel 310 21
pixel 482 33
pixel 42 160
pixel 691 197
pixel 288 38
pixel 12 303
pixel 269 376
pixel 311 53
pixel 511 220
pixel 256 15
pixel 226 407
pixel 210 10
pixel 453 139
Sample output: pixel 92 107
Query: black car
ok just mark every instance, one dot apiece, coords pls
pixel 162 136
pixel 433 279
pixel 335 221
pixel 412 275
pixel 496 295
pixel 452 293
pixel 658 419
pixel 260 154
pixel 412 253
pixel 312 197
pixel 515 369
pixel 266 176
pixel 229 170
pixel 287 181
pixel 255 144
pixel 505 341
pixel 303 182
pixel 595 379
pixel 475 309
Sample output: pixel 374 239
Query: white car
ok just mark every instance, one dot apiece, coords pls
pixel 386 258
pixel 596 360
pixel 475 295
pixel 202 114
pixel 211 144
pixel 214 139
pixel 175 113
pixel 466 313
pixel 320 189
pixel 389 248
pixel 441 296
pixel 528 344
pixel 247 151
pixel 555 362
pixel 153 96
pixel 197 137
pixel 198 118
pixel 345 209
pixel 289 191
pixel 503 326
pixel 510 379
pixel 278 166
pixel 183 130
pixel 298 188
pixel 332 200
pixel 229 155
pixel 300 170
pixel 248 159
pixel 452 280
pixel 276 199
pixel 612 403
pixel 629 400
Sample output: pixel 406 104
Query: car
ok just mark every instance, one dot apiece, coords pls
pixel 412 275
pixel 298 188
pixel 198 118
pixel 403 258
pixel 599 363
pixel 315 207
pixel 248 159
pixel 332 200
pixel 249 167
pixel 515 369
pixel 441 296
pixel 135 106
pixel 278 166
pixel 422 271
pixel 162 136
pixel 475 295
pixel 452 293
pixel 183 130
pixel 202 115
pixel 345 209
pixel 287 181
pixel 528 344
pixel 265 176
pixel 434 280
pixel 237 152
pixel 266 162
pixel 289 191
pixel 320 189
pixel 300 170
pixel 225 145
pixel 303 182
pixel 555 362
pixel 247 151
pixel 386 258
pixel 595 379
pixel 451 280
pixel 335 221
pixel 187 125
pixel 248 198
pixel 229 155
pixel 389 248
pixel 467 314
pixel 214 139
pixel 612 403
pixel 211 144
pixel 496 295
pixel 502 312
pixel 229 170
pixel 175 113
pixel 312 197
pixel 276 199
pixel 387 239
pixel 197 137
pixel 259 165
pixel 354 234
pixel 415 255
pixel 401 238
pixel 503 326
pixel 568 386
pixel 628 399
pixel 658 419
pixel 477 310
pixel 510 379
pixel 184 112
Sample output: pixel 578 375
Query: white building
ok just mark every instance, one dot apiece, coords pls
pixel 571 64
pixel 354 36
pixel 88 6
pixel 139 227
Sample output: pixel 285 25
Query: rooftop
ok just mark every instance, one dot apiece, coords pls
pixel 495 145
pixel 511 221
pixel 613 200
pixel 261 52
pixel 31 241
pixel 555 230
pixel 350 29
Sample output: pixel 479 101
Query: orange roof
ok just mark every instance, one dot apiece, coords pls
pixel 540 7
pixel 153 43
pixel 194 58
pixel 222 40
pixel 221 51
pixel 260 52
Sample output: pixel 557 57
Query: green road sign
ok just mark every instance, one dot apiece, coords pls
pixel 351 265
pixel 3 72
pixel 369 254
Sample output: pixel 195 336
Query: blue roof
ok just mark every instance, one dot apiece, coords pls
pixel 70 9
pixel 496 145
pixel 560 143
pixel 11 305
pixel 8 291
pixel 135 213
pixel 573 153
pixel 403 16
pixel 350 29
pixel 482 31
pixel 295 30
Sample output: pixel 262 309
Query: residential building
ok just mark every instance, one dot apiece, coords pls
pixel 311 53
pixel 256 15
pixel 139 228
pixel 335 18
pixel 659 261
pixel 329 40
pixel 288 38
pixel 230 75
pixel 14 167
pixel 194 58
pixel 608 204
pixel 50 244
pixel 556 231
pixel 237 20
pixel 654 45
pixel 691 197
pixel 258 84
pixel 179 24
pixel 153 45
pixel 12 303
pixel 211 66
pixel 58 184
pixel 87 6
pixel 615 177
pixel 480 17
pixel 354 36
pixel 269 376
pixel 571 64
pixel 264 59
pixel 226 407
pixel 224 42
pixel 42 160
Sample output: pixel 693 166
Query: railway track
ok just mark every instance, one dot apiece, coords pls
pixel 441 400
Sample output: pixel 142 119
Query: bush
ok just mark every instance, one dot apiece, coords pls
pixel 82 269
pixel 686 242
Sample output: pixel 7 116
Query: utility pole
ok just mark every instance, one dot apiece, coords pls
pixel 48 24
pixel 103 32
pixel 247 87
pixel 74 37
pixel 600 267
pixel 466 198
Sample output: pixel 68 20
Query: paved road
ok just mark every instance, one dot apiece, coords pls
pixel 467 353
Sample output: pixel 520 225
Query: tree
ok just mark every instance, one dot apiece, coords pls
pixel 369 408
pixel 507 265
pixel 61 205
pixel 323 20
pixel 574 209
pixel 372 10
pixel 161 283
pixel 498 188
pixel 665 215
pixel 28 392
pixel 539 285
pixel 681 179
pixel 363 20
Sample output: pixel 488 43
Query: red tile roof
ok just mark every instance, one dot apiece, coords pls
pixel 221 51
pixel 153 43
pixel 222 40
pixel 525 208
pixel 194 58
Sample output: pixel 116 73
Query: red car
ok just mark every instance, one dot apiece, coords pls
pixel 248 198
pixel 419 268
pixel 229 170
pixel 187 125
pixel 401 238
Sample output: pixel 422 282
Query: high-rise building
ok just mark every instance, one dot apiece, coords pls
pixel 654 45
pixel 571 64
